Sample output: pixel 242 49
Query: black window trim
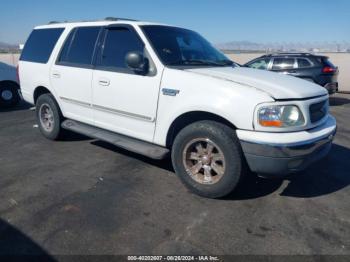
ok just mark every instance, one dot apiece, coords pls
pixel 122 69
pixel 78 65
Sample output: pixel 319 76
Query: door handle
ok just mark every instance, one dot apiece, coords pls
pixel 104 82
pixel 56 74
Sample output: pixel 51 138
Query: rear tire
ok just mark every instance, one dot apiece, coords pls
pixel 208 158
pixel 9 94
pixel 49 117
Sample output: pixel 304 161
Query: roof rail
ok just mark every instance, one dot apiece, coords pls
pixel 111 18
pixel 54 22
pixel 290 53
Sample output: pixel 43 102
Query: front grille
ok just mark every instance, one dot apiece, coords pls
pixel 318 111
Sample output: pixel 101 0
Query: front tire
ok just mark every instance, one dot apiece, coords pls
pixel 9 94
pixel 207 157
pixel 49 117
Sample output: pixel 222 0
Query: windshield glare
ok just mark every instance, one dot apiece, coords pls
pixel 178 47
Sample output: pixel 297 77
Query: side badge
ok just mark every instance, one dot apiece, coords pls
pixel 170 92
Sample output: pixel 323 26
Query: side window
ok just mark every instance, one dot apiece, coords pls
pixel 283 63
pixel 118 42
pixel 260 64
pixel 79 46
pixel 40 44
pixel 302 63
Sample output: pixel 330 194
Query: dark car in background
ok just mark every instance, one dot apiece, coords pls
pixel 314 68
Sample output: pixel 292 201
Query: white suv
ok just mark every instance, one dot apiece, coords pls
pixel 156 89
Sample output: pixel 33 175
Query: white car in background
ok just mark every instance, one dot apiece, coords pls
pixel 9 86
pixel 156 89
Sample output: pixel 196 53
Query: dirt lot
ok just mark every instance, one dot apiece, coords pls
pixel 83 196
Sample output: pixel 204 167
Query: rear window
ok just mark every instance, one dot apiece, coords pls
pixel 79 46
pixel 326 62
pixel 40 44
pixel 302 63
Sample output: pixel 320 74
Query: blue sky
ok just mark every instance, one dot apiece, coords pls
pixel 219 21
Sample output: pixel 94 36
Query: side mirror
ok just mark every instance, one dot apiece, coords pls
pixel 137 62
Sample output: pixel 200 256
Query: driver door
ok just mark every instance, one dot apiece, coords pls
pixel 124 101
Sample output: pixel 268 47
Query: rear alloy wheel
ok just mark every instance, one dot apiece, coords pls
pixel 49 117
pixel 9 94
pixel 208 158
pixel 47 120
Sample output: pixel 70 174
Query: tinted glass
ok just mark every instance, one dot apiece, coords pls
pixel 178 46
pixel 283 63
pixel 328 63
pixel 81 47
pixel 303 63
pixel 118 42
pixel 260 64
pixel 40 44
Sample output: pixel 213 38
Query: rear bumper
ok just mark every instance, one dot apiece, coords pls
pixel 331 87
pixel 278 159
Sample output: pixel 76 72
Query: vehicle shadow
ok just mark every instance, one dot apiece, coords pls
pixel 20 107
pixel 164 164
pixel 338 101
pixel 17 246
pixel 324 177
pixel 70 136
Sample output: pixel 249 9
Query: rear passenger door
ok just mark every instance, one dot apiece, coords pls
pixel 306 69
pixel 124 101
pixel 71 74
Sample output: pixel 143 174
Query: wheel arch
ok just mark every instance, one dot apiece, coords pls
pixel 40 90
pixel 190 117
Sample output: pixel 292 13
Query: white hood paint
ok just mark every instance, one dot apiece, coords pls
pixel 278 86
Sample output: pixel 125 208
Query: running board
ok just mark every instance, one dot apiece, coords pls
pixel 128 143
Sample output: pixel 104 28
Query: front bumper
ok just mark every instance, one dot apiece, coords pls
pixel 278 154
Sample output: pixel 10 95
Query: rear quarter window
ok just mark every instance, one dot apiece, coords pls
pixel 40 44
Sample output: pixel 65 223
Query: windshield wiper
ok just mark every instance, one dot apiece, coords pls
pixel 198 62
pixel 226 62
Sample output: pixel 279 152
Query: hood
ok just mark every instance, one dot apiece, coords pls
pixel 278 86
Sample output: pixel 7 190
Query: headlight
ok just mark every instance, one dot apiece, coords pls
pixel 280 116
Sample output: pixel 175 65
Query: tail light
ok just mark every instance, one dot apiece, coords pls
pixel 328 69
pixel 17 74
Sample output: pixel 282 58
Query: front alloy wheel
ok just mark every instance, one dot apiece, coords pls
pixel 204 161
pixel 208 158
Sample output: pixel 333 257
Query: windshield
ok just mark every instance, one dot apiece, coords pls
pixel 182 47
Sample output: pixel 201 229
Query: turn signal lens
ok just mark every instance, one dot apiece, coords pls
pixel 276 123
